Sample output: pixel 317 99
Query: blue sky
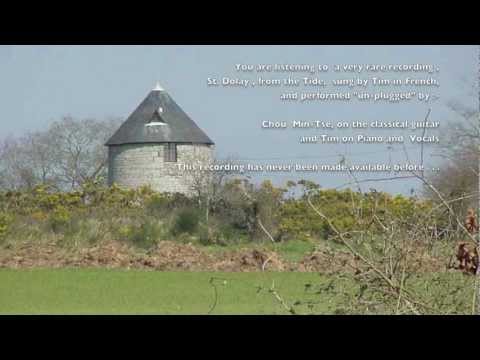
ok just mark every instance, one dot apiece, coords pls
pixel 40 84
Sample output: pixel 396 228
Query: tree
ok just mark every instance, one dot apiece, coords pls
pixel 458 177
pixel 79 152
pixel 15 172
pixel 66 155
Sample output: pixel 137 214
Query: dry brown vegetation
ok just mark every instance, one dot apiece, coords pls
pixel 167 255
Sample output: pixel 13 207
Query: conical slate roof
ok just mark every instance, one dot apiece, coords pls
pixel 158 119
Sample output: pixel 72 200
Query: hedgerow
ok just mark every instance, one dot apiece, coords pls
pixel 143 217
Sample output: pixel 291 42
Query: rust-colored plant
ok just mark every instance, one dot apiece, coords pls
pixel 467 253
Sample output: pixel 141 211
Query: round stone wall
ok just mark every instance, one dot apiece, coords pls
pixel 135 165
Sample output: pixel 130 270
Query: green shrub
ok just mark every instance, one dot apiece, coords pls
pixel 229 233
pixel 60 219
pixel 5 222
pixel 144 236
pixel 211 236
pixel 158 204
pixel 186 221
pixel 205 237
pixel 88 230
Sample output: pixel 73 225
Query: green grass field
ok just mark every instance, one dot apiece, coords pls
pixel 92 291
pixel 106 291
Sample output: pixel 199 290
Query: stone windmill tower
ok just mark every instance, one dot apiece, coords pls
pixel 150 145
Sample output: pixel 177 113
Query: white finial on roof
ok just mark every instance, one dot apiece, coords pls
pixel 158 87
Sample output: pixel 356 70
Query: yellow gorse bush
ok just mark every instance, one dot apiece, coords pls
pixel 349 211
pixel 5 221
pixel 121 212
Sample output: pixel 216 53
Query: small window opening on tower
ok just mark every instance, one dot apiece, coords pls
pixel 170 152
pixel 156 118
